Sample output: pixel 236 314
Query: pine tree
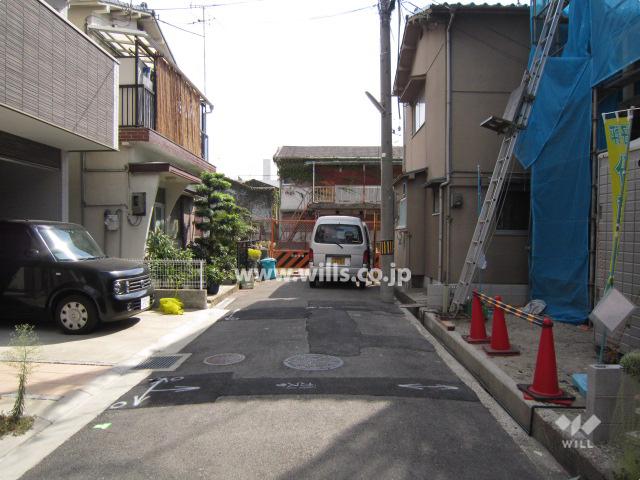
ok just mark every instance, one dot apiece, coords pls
pixel 222 222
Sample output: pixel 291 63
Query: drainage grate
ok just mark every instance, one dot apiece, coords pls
pixel 313 362
pixel 167 363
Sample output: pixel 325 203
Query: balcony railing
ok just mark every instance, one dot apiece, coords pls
pixel 137 107
pixel 347 194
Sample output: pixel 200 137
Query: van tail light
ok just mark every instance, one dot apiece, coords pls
pixel 365 257
pixel 311 255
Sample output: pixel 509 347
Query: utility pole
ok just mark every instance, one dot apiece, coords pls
pixel 385 7
pixel 204 46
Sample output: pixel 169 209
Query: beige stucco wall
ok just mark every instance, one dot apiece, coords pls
pixel 410 248
pixel 108 186
pixel 486 67
pixel 427 147
pixel 488 57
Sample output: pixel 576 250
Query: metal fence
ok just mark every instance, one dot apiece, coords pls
pixel 178 274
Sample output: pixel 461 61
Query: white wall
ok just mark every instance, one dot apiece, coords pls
pixel 108 186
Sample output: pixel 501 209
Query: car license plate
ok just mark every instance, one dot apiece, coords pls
pixel 145 302
pixel 340 261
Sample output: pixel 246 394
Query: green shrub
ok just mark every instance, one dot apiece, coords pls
pixel 631 364
pixel 161 246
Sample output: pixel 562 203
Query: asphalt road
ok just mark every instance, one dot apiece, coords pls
pixel 384 406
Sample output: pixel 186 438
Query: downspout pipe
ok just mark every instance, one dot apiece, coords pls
pixel 445 184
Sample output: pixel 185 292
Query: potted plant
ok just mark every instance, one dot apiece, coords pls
pixel 215 278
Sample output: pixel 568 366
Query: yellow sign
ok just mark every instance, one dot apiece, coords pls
pixel 617 131
pixel 385 247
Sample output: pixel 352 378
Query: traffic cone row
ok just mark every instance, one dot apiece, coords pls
pixel 499 335
pixel 477 333
pixel 545 387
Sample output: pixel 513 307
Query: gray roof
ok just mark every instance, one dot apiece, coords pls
pixel 332 153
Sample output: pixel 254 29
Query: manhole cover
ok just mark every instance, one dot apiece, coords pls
pixel 313 362
pixel 224 359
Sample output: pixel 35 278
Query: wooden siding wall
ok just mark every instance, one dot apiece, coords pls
pixel 52 72
pixel 178 108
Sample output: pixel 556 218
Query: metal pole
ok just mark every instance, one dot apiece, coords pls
pixel 204 46
pixel 385 7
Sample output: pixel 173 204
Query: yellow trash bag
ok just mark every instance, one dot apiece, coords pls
pixel 171 306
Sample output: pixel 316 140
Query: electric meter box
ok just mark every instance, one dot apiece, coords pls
pixel 139 204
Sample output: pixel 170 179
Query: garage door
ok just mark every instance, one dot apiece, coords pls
pixel 29 190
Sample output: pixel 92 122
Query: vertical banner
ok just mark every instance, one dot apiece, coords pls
pixel 617 130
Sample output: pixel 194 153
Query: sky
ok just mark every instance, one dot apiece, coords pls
pixel 282 72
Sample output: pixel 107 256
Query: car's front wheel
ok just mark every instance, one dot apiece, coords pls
pixel 76 315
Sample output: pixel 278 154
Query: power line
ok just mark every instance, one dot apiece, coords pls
pixel 343 13
pixel 179 28
pixel 190 7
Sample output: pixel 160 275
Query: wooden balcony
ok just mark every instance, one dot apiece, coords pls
pixel 347 194
pixel 171 106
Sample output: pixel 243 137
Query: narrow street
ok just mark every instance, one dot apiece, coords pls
pixel 382 405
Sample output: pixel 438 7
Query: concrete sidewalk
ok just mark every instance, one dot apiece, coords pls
pixel 76 377
pixel 500 376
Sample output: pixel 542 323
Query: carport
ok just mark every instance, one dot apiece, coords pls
pixel 30 179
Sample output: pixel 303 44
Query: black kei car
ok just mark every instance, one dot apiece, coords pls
pixel 56 270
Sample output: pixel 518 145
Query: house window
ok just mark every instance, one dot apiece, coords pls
pixel 401 219
pixel 419 113
pixel 514 214
pixel 435 201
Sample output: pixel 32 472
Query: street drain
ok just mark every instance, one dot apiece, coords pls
pixel 224 359
pixel 313 362
pixel 167 363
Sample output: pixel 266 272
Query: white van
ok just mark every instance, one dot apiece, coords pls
pixel 340 250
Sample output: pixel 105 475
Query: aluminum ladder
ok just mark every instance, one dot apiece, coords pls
pixel 515 121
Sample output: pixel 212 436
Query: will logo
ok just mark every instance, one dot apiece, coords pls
pixel 574 427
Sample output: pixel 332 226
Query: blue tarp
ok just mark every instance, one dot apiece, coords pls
pixel 603 38
pixel 556 146
pixel 615 26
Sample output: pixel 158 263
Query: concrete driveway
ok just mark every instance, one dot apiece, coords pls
pixel 374 400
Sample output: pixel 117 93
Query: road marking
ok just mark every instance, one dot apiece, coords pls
pixel 419 386
pixel 296 386
pixel 137 400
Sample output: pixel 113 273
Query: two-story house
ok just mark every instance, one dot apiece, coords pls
pixel 161 118
pixel 58 96
pixel 457 66
pixel 327 180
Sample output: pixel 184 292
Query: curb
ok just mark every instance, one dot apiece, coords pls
pixel 535 418
pixel 219 298
pixel 76 410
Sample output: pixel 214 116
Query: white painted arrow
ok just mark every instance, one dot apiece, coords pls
pixel 137 400
pixel 419 386
pixel 291 386
pixel 178 389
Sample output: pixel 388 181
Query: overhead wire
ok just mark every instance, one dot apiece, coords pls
pixel 179 28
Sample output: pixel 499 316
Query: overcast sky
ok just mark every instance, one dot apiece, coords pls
pixel 282 72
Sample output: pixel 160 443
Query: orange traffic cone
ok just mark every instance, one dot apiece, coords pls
pixel 477 332
pixel 499 335
pixel 545 377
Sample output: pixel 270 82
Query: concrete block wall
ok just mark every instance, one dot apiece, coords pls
pixel 602 394
pixel 513 294
pixel 627 276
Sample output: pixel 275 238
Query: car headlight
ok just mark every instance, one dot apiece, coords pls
pixel 120 287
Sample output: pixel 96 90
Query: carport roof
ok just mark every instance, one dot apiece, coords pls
pixel 162 167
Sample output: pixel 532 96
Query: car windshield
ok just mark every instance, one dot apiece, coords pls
pixel 69 243
pixel 341 234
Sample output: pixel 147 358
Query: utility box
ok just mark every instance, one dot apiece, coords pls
pixel 139 204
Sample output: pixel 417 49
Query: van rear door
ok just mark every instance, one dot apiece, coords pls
pixel 339 244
